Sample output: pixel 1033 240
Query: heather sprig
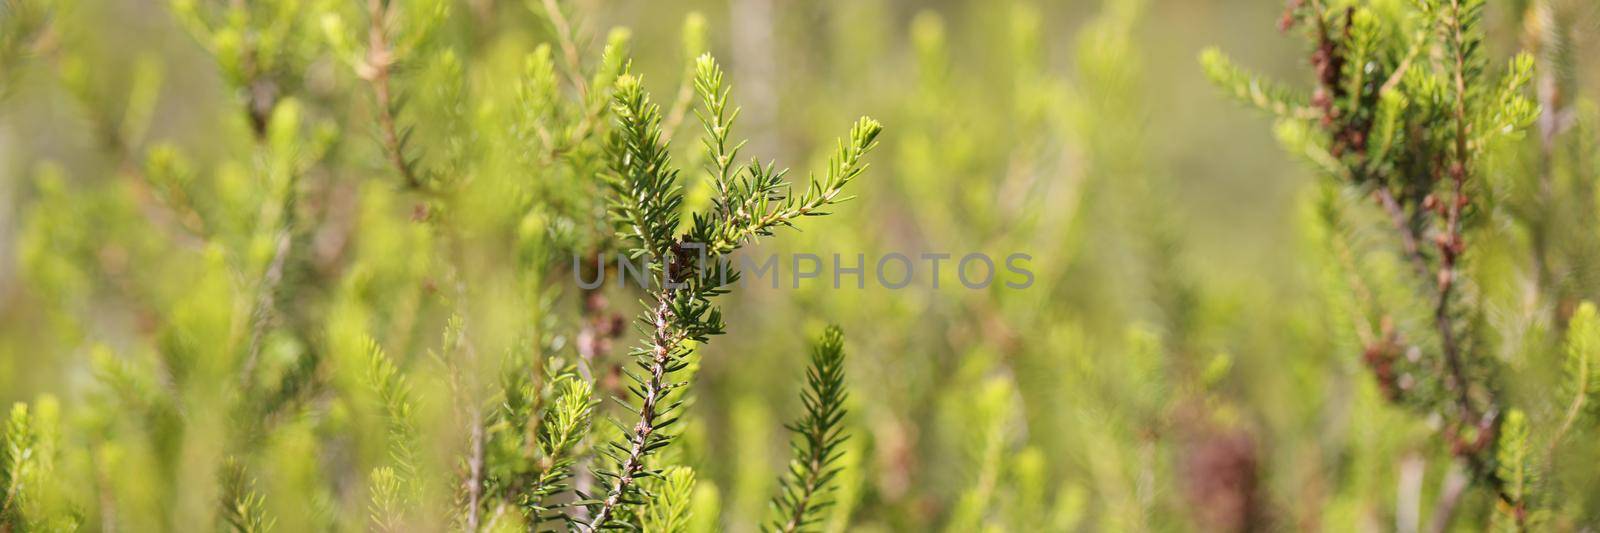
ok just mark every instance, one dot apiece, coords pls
pixel 805 491
pixel 1252 89
pixel 30 486
pixel 223 228
pixel 679 313
pixel 396 35
pixel 1581 368
pixel 536 438
pixel 671 493
pixel 1517 475
pixel 1411 130
pixel 243 508
pixel 395 485
pixel 753 201
pixel 18 459
pixel 261 48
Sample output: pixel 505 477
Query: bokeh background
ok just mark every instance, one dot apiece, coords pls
pixel 1175 365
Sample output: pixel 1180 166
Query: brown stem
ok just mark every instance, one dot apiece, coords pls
pixel 569 47
pixel 663 342
pixel 1405 64
pixel 376 71
pixel 810 485
pixel 1409 241
pixel 467 400
pixel 1452 245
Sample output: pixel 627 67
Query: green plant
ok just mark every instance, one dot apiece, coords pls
pixel 819 436
pixel 276 339
pixel 646 210
pixel 1405 112
pixel 332 265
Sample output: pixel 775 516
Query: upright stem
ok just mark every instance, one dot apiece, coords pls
pixel 1408 238
pixel 1452 244
pixel 569 47
pixel 469 399
pixel 663 342
pixel 809 486
pixel 377 72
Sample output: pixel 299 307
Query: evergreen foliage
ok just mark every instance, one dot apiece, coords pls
pixel 646 207
pixel 819 437
pixel 1406 112
pixel 334 265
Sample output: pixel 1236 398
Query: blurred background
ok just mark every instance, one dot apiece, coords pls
pixel 1175 366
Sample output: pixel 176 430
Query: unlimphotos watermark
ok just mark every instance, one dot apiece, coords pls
pixel 893 270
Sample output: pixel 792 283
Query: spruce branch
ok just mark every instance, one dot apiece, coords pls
pixel 818 438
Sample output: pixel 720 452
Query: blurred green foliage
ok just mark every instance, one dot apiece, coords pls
pixel 304 265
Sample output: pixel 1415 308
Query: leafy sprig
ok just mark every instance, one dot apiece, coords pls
pixel 679 312
pixel 753 201
pixel 394 486
pixel 1409 129
pixel 819 435
pixel 669 509
pixel 17 459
